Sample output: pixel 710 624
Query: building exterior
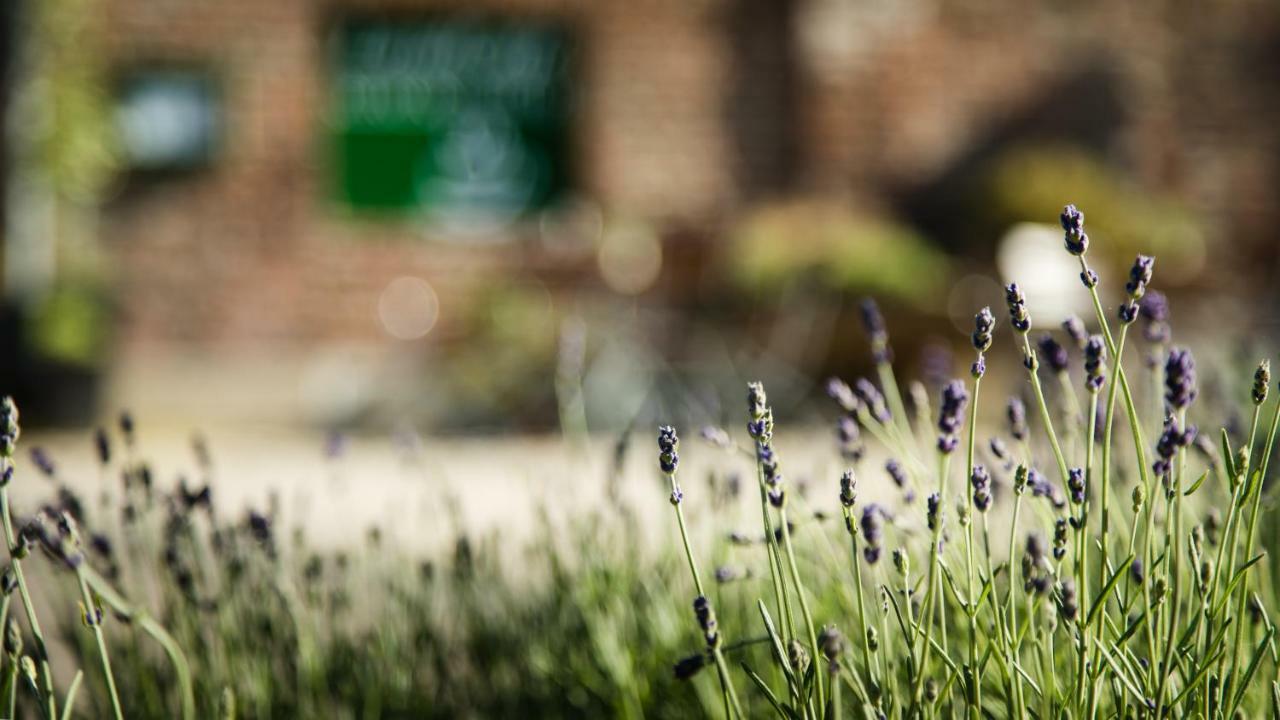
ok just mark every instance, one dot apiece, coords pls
pixel 276 207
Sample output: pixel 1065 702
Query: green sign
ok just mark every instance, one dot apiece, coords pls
pixel 459 121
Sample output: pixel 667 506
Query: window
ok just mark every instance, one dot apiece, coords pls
pixel 167 119
pixel 459 121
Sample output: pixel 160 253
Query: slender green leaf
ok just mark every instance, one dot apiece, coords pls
pixel 1100 601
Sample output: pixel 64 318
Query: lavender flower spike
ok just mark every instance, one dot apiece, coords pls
pixel 1074 328
pixel 1261 380
pixel 983 323
pixel 873 321
pixel 1017 414
pixel 1095 363
pixel 1018 315
pixel 1180 379
pixel 1076 240
pixel 954 399
pixel 1154 309
pixel 872 524
pixel 668 443
pixel 1053 353
pixel 870 395
pixel 1139 277
pixel 981 482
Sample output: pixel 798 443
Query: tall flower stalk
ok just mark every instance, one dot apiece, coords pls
pixel 669 462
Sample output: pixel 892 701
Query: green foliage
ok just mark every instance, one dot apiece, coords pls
pixel 837 248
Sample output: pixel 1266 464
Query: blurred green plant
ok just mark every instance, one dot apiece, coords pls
pixel 1028 183
pixel 838 247
pixel 70 324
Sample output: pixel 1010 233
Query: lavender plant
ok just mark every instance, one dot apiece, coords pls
pixel 1154 613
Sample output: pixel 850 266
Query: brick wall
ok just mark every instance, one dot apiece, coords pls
pixel 671 103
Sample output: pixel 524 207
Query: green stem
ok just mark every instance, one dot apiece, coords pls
pixel 973 701
pixel 125 609
pixel 1249 540
pixel 93 618
pixel 804 603
pixel 926 614
pixel 42 648
pixel 1044 408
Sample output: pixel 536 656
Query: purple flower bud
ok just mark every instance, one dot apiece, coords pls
pixel 1018 316
pixel 981 482
pixel 40 458
pixel 1261 381
pixel 872 525
pixel 1074 328
pixel 1095 360
pixel 978 368
pixel 1059 538
pixel 1154 309
pixel 950 419
pixel 1076 240
pixel 1089 278
pixel 1017 414
pixel 1054 354
pixel 934 502
pixel 850 439
pixel 707 621
pixel 1127 312
pixel 1172 439
pixel 896 473
pixel 848 489
pixel 839 391
pixel 983 324
pixel 1180 378
pixel 873 321
pixel 1075 483
pixel 668 442
pixel 1140 276
pixel 871 397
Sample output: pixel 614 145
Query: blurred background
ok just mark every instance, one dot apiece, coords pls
pixel 530 215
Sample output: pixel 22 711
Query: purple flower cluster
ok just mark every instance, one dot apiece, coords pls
pixel 981 482
pixel 1154 309
pixel 983 325
pixel 1068 604
pixel 870 396
pixel 954 399
pixel 872 524
pixel 1059 538
pixel 1139 277
pixel 934 503
pixel 850 437
pixel 839 391
pixel 1179 379
pixel 668 444
pixel 1074 328
pixel 873 321
pixel 9 429
pixel 1095 363
pixel 760 426
pixel 1053 353
pixel 1076 240
pixel 1036 572
pixel 848 489
pixel 1017 414
pixel 1261 381
pixel 1076 485
pixel 707 621
pixel 1018 315
pixel 1172 439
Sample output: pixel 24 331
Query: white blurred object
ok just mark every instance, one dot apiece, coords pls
pixel 1032 255
pixel 408 308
